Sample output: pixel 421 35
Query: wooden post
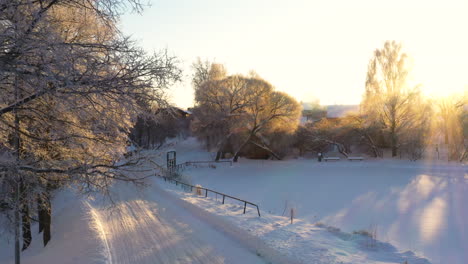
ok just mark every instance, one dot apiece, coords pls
pixel 206 193
pixel 245 205
pixel 258 210
pixel 224 196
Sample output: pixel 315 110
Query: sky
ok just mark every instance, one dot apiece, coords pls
pixel 311 49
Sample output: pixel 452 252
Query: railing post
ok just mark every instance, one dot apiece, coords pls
pixel 224 196
pixel 258 210
pixel 206 193
pixel 245 205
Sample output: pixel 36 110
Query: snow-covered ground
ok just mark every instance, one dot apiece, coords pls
pixel 414 206
pixel 417 209
pixel 76 236
pixel 302 241
pixel 150 226
pixel 145 226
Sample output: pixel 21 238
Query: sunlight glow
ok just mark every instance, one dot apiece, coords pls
pixel 310 49
pixel 99 227
pixel 433 219
pixel 419 190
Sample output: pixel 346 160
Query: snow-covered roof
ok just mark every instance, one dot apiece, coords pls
pixel 341 110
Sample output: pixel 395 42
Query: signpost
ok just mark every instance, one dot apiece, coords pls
pixel 171 161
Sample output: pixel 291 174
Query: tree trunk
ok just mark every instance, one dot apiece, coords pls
pixel 140 136
pixel 221 146
pixel 340 147
pixel 464 155
pixel 25 217
pixel 148 136
pixel 208 147
pixel 17 226
pixel 394 148
pixel 371 143
pixel 26 226
pixel 264 147
pixel 40 213
pixel 47 219
pixel 446 134
pixel 393 131
pixel 236 155
pixel 394 143
pixel 218 155
pixel 18 183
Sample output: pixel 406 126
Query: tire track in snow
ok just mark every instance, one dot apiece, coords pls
pixel 102 234
pixel 151 229
pixel 244 238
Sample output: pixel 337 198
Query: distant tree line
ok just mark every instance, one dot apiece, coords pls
pixel 393 115
pixel 153 128
pixel 243 115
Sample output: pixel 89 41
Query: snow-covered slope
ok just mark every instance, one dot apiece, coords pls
pixel 414 206
pixel 301 241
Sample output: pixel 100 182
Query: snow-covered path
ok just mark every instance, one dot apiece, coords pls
pixel 150 227
pixel 145 226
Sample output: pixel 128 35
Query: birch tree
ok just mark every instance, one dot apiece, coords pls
pixel 389 98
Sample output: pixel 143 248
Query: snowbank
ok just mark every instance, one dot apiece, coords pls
pixel 300 242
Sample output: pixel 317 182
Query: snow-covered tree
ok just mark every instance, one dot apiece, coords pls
pixel 451 122
pixel 267 111
pixel 242 110
pixel 389 98
pixel 70 89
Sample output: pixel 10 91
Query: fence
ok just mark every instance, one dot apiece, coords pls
pixel 181 167
pixel 208 190
pixel 219 161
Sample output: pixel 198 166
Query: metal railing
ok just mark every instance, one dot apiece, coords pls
pixel 171 179
pixel 209 161
pixel 181 166
pixel 209 190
